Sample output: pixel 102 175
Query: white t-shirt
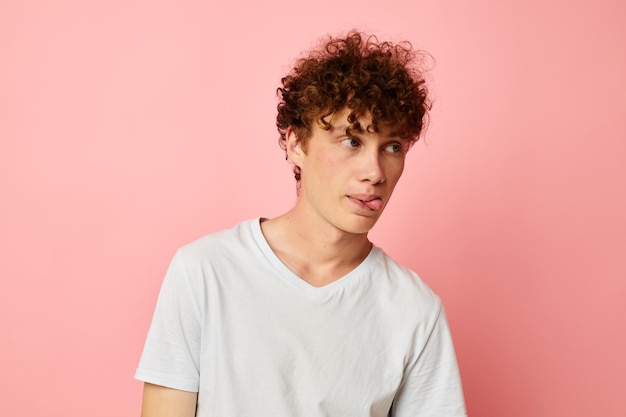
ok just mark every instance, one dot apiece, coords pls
pixel 234 324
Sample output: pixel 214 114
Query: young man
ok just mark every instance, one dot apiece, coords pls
pixel 300 315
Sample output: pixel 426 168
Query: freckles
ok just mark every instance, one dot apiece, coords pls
pixel 330 163
pixel 396 172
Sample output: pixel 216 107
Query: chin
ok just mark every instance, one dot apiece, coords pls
pixel 360 226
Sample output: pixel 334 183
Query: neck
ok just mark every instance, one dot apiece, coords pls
pixel 315 251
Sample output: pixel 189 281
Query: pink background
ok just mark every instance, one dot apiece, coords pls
pixel 129 128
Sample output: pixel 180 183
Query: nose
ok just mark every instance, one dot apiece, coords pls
pixel 372 168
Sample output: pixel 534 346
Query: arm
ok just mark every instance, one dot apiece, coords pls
pixel 170 359
pixel 160 401
pixel 432 385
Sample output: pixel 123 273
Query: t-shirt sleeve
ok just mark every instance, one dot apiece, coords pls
pixel 171 353
pixel 432 384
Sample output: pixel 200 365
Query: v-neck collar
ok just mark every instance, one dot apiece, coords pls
pixel 300 283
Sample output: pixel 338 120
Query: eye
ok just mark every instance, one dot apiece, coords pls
pixel 394 148
pixel 350 142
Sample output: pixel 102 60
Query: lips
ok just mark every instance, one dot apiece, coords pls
pixel 371 202
pixel 375 204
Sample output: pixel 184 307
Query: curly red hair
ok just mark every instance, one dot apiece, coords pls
pixel 362 74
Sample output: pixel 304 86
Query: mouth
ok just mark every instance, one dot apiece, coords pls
pixel 371 203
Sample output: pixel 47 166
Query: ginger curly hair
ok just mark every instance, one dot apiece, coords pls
pixel 362 74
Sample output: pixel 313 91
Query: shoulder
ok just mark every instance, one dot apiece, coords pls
pixel 204 264
pixel 223 253
pixel 405 288
pixel 220 243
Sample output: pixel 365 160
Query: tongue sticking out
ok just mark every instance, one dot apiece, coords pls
pixel 375 204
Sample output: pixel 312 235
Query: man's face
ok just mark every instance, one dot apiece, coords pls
pixel 347 180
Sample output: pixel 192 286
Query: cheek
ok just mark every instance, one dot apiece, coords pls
pixel 329 166
pixel 394 170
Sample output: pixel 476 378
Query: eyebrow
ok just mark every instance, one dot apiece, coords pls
pixel 344 126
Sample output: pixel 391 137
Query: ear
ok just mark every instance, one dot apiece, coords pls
pixel 295 150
